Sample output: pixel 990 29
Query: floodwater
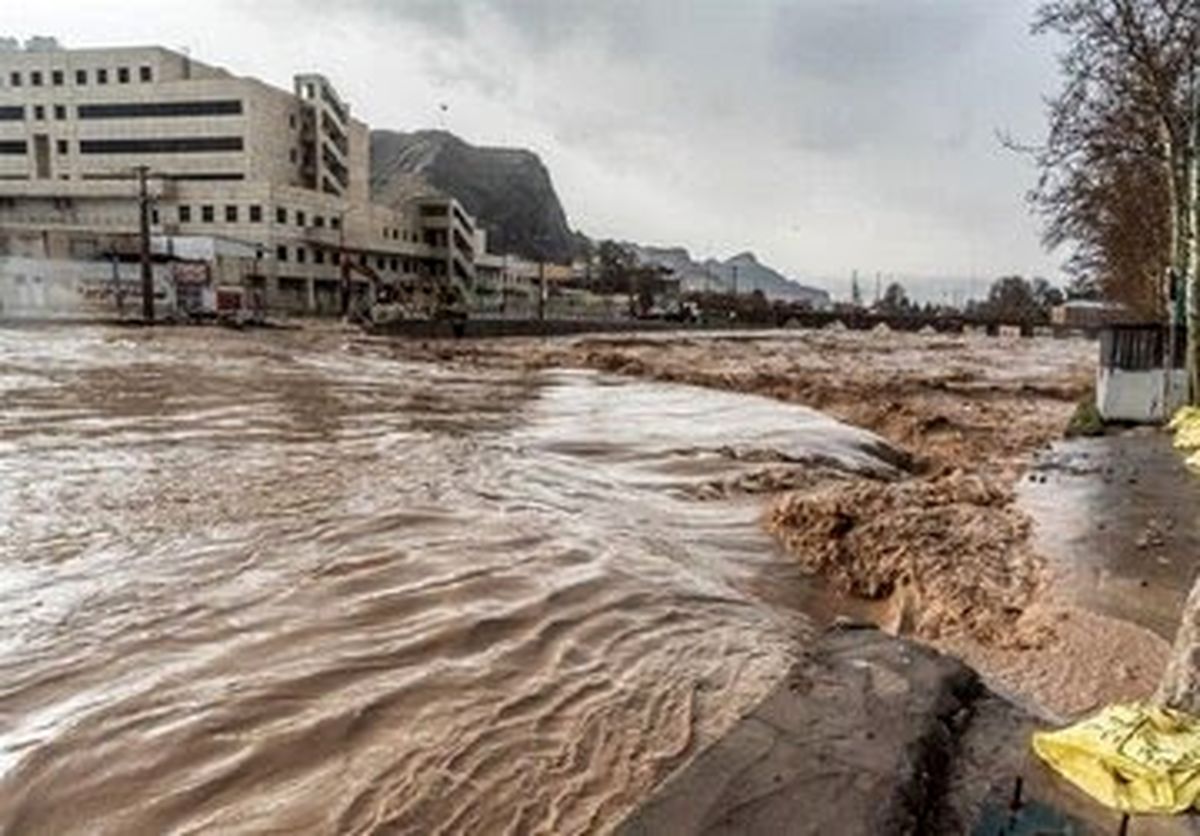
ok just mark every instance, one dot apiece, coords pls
pixel 296 582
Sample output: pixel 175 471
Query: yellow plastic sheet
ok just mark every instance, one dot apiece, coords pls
pixel 1135 758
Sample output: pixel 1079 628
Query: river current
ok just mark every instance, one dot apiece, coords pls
pixel 296 582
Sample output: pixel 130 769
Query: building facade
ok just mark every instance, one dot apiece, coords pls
pixel 285 171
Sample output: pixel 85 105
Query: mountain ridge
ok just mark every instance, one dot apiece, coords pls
pixel 511 194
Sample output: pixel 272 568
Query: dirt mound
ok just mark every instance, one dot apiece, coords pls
pixel 951 550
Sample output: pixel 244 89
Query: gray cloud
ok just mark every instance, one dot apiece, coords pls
pixel 882 42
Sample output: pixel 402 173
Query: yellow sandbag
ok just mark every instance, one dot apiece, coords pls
pixel 1184 415
pixel 1185 423
pixel 1135 758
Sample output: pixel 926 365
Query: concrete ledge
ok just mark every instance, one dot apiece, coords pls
pixel 869 734
pixel 852 741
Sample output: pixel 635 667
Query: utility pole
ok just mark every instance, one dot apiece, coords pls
pixel 542 289
pixel 144 245
pixel 118 292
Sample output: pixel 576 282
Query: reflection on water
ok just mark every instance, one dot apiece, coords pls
pixel 294 581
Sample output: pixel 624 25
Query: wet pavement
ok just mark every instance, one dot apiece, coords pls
pixel 1116 517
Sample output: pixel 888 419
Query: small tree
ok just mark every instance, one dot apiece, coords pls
pixel 895 301
pixel 1012 299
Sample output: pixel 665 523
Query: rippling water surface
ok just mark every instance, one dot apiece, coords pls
pixel 296 582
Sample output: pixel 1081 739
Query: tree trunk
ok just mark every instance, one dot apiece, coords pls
pixel 1180 685
pixel 1191 237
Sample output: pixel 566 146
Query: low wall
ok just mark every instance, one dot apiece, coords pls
pixel 490 328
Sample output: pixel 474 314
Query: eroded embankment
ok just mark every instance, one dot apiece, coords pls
pixel 947 549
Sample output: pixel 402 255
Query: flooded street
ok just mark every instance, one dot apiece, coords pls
pixel 295 581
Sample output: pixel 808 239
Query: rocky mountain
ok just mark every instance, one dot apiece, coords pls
pixel 715 275
pixel 508 190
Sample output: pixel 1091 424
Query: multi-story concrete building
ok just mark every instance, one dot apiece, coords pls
pixel 287 171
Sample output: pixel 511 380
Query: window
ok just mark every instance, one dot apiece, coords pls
pixel 208 176
pixel 123 75
pixel 381 263
pixel 63 148
pixel 301 254
pixel 231 214
pixel 292 121
pixel 319 221
pixel 281 253
pixel 281 215
pixel 35 78
pixel 39 112
pixel 81 77
pixel 335 257
pixel 335 223
pixel 207 214
pixel 292 155
pixel 102 76
pixel 12 113
pixel 394 264
pixel 319 256
pixel 14 79
pixel 185 214
pixel 125 110
pixel 182 145
pixel 154 217
pixel 60 112
pixel 299 218
pixel 56 78
pixel 255 214
pixel 145 73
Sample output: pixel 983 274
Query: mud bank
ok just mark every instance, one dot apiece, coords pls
pixel 948 551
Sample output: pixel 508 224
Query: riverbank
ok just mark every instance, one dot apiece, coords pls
pixel 948 553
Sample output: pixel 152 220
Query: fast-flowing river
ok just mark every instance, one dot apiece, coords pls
pixel 295 582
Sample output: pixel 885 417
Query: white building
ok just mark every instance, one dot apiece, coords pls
pixel 286 172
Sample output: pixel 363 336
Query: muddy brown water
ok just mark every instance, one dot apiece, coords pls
pixel 294 582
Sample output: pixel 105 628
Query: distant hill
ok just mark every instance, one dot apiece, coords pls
pixel 716 275
pixel 508 190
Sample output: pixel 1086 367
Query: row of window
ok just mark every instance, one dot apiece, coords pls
pixel 129 110
pixel 254 214
pixel 58 78
pixel 394 234
pixel 301 254
pixel 153 145
pixel 162 145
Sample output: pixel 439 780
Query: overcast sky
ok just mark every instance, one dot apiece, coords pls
pixel 825 135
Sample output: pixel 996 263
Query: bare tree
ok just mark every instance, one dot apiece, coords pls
pixel 1115 166
pixel 1119 180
